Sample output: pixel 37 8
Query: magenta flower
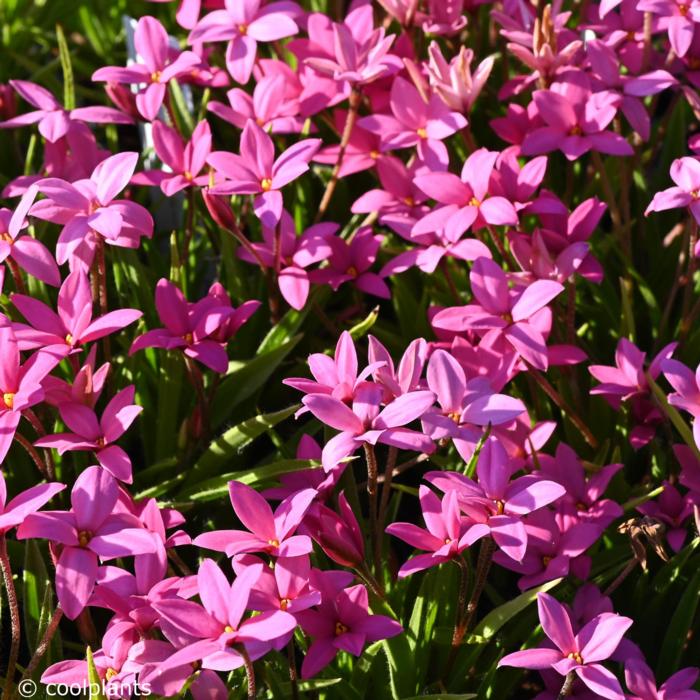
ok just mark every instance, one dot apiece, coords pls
pixel 672 509
pixel 188 327
pixel 20 384
pixel 576 120
pixel 685 172
pixel 447 534
pixel 342 623
pixel 88 433
pixel 367 422
pixel 185 161
pixel 351 262
pixel 27 252
pixel 88 532
pixel 552 552
pixel 289 255
pixel 187 12
pixel 404 378
pixel 214 628
pixel 55 121
pixel 243 23
pixel 583 500
pixel 269 107
pixel 14 512
pixel 360 52
pixel 90 213
pixel 679 17
pixel 579 653
pixel 463 404
pixel 518 317
pixel 414 122
pixel 156 70
pixel 466 199
pixel 687 391
pixel 73 326
pixel 86 387
pixel 640 681
pixel 255 170
pixel 496 502
pixel 272 533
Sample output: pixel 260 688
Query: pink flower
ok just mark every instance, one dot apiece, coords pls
pixel 156 70
pixel 73 326
pixel 685 172
pixel 497 503
pixel 289 255
pixel 255 170
pixel 466 199
pixel 342 623
pixel 185 161
pixel 447 534
pixel 463 404
pixel 211 631
pixel 415 122
pixel 29 253
pixel 55 121
pixel 86 533
pixel 272 533
pixel 367 422
pixel 679 18
pixel 90 213
pixel 190 327
pixel 243 23
pixel 576 120
pixel 88 433
pixel 14 512
pixel 20 384
pixel 188 11
pixel 579 653
pixel 360 52
pixel 515 317
pixel 687 391
pixel 351 262
pixel 269 107
pixel 640 681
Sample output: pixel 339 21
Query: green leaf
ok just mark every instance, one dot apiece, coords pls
pixel 94 680
pixel 67 68
pixel 678 629
pixel 493 622
pixel 244 381
pixel 398 654
pixel 363 327
pixel 225 448
pixel 217 487
pixel 35 583
pixel 181 108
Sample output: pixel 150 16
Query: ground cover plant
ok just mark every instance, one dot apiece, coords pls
pixel 348 349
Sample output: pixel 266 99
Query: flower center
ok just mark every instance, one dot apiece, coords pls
pixel 474 202
pixel 110 673
pixel 266 184
pixel 84 537
pixel 455 416
pixel 500 507
pixel 188 176
pixel 340 628
pixel 352 271
pixel 575 656
pixel 374 155
pixel 575 130
pixel 155 76
pixel 546 560
pixel 274 543
pixel 243 29
pixel 6 237
pixel 409 201
pixel 448 540
pixel 422 133
pixel 69 339
pixel 284 603
pixel 9 400
pixel 683 10
pixel 695 194
pixel 228 629
pixel 101 442
pixel 581 506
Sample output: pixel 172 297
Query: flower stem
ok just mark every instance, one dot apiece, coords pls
pixel 101 283
pixel 565 408
pixel 249 672
pixel 292 670
pixel 31 451
pixel 14 615
pixel 371 458
pixel 189 226
pixel 44 643
pixel 16 276
pixel 353 108
pixel 629 568
pixel 383 504
pixel 568 686
pixel 459 631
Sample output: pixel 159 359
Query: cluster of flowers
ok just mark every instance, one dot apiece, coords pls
pixel 535 513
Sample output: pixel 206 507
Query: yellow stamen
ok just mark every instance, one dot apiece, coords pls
pixel 84 537
pixel 9 400
pixel 340 628
pixel 422 133
pixel 266 184
pixel 284 603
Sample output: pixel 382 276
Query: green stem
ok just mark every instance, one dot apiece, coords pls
pixel 6 568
